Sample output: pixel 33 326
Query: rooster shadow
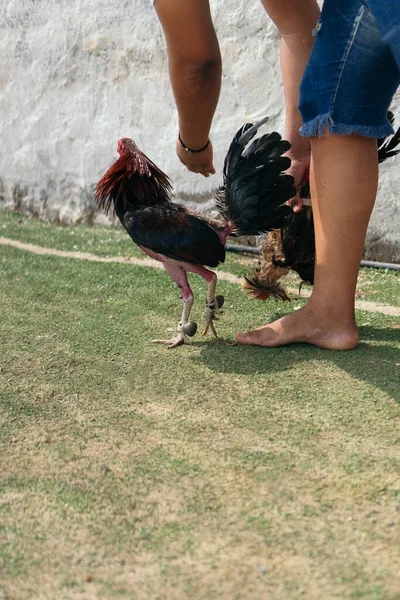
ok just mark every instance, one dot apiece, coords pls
pixel 375 361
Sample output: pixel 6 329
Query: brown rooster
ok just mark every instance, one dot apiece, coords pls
pixel 251 200
pixel 292 247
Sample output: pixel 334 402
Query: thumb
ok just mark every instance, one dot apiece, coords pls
pixel 296 203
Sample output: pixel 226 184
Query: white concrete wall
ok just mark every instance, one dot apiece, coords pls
pixel 78 75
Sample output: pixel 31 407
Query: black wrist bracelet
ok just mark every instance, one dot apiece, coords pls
pixel 190 150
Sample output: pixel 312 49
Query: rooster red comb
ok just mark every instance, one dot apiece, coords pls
pixel 139 163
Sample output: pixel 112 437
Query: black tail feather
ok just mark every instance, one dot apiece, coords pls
pixel 386 146
pixel 248 131
pixel 254 187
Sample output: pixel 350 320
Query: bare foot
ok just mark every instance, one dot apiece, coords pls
pixel 304 326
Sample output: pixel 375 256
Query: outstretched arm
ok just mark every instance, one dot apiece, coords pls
pixel 195 74
pixel 295 21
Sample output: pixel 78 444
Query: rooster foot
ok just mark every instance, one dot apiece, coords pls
pixel 175 342
pixel 185 332
pixel 212 312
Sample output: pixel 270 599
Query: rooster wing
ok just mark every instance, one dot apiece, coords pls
pixel 174 232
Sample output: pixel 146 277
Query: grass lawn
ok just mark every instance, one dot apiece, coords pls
pixel 212 471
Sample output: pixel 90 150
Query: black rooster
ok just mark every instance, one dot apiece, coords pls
pixel 251 200
pixel 292 247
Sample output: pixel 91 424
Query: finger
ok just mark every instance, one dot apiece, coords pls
pixel 296 203
pixel 207 171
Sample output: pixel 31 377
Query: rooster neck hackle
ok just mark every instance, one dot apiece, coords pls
pixel 132 181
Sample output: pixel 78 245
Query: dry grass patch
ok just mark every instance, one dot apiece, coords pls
pixel 212 472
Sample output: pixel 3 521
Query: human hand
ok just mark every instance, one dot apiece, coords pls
pixel 201 162
pixel 299 170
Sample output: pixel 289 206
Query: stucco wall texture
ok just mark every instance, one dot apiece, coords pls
pixel 78 75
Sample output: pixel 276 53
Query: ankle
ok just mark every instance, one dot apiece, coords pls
pixel 334 310
pixel 329 327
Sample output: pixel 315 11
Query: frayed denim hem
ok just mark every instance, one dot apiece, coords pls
pixel 323 124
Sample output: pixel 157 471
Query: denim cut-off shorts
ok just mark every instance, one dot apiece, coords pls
pixel 352 75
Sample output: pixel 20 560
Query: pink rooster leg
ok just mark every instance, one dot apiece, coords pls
pixel 212 306
pixel 185 329
pixel 213 302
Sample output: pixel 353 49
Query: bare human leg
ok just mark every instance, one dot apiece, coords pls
pixel 344 178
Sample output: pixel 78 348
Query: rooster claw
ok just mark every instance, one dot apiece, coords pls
pixel 209 325
pixel 172 343
pixel 212 311
pixel 186 331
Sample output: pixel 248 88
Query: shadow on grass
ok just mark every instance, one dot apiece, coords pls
pixel 376 360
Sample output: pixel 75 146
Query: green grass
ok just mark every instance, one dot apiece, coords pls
pixel 374 285
pixel 208 472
